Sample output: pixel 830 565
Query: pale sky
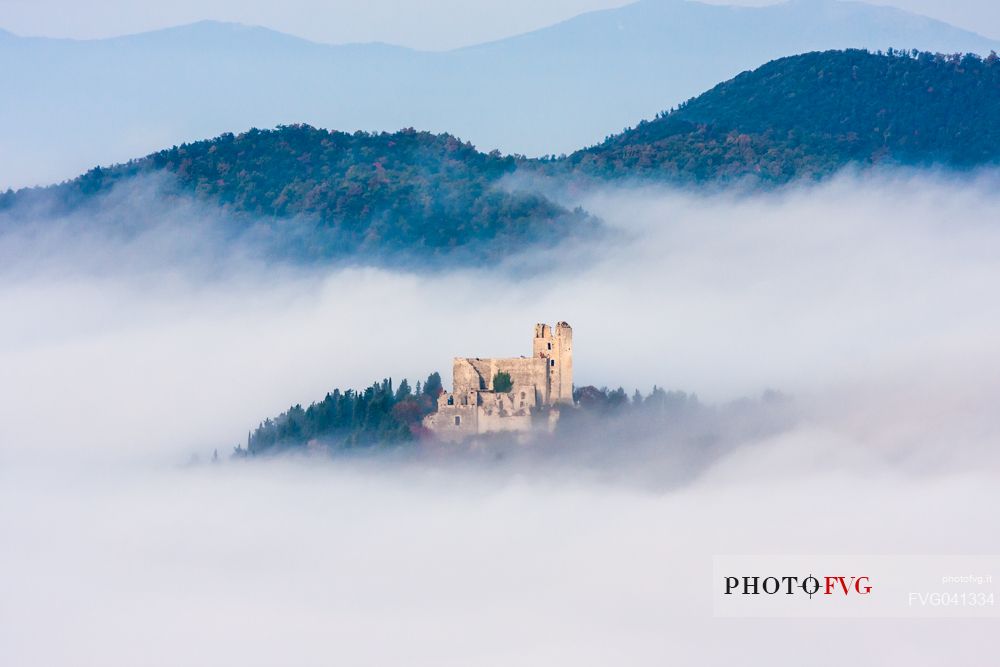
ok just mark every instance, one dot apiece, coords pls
pixel 427 24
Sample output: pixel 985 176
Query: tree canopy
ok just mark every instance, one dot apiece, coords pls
pixel 333 194
pixel 377 416
pixel 812 114
pixel 314 194
pixel 502 382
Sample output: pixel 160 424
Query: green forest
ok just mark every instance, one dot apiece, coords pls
pixel 383 416
pixel 379 415
pixel 809 115
pixel 332 194
pixel 315 194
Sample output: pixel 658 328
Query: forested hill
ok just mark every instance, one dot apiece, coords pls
pixel 811 114
pixel 313 194
pixel 339 194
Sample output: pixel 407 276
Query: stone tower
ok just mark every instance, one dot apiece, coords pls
pixel 556 347
pixel 539 382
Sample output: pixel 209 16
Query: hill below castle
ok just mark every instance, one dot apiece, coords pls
pixel 812 114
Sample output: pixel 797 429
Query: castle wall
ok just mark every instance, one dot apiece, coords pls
pixel 505 412
pixel 503 424
pixel 467 376
pixel 450 411
pixel 525 373
pixel 544 378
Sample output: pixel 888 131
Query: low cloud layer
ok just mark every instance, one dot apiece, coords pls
pixel 328 563
pixel 867 301
pixel 864 298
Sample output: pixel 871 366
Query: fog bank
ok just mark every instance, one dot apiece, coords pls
pixel 868 302
pixel 309 565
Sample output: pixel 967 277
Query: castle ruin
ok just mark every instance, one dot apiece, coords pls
pixel 540 384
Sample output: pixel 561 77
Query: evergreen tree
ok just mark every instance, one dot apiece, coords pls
pixel 375 417
pixel 433 385
pixel 502 382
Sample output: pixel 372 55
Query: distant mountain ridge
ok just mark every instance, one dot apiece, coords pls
pixel 422 196
pixel 80 103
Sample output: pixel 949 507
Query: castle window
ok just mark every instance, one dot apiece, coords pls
pixel 550 346
pixel 552 362
pixel 458 420
pixel 451 400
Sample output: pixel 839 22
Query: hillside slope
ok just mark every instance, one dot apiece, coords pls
pixel 809 115
pixel 315 194
pixel 81 103
pixel 406 194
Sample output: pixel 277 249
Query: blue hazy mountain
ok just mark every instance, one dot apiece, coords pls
pixel 72 104
pixel 305 194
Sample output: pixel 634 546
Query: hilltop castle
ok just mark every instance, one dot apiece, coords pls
pixel 538 385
